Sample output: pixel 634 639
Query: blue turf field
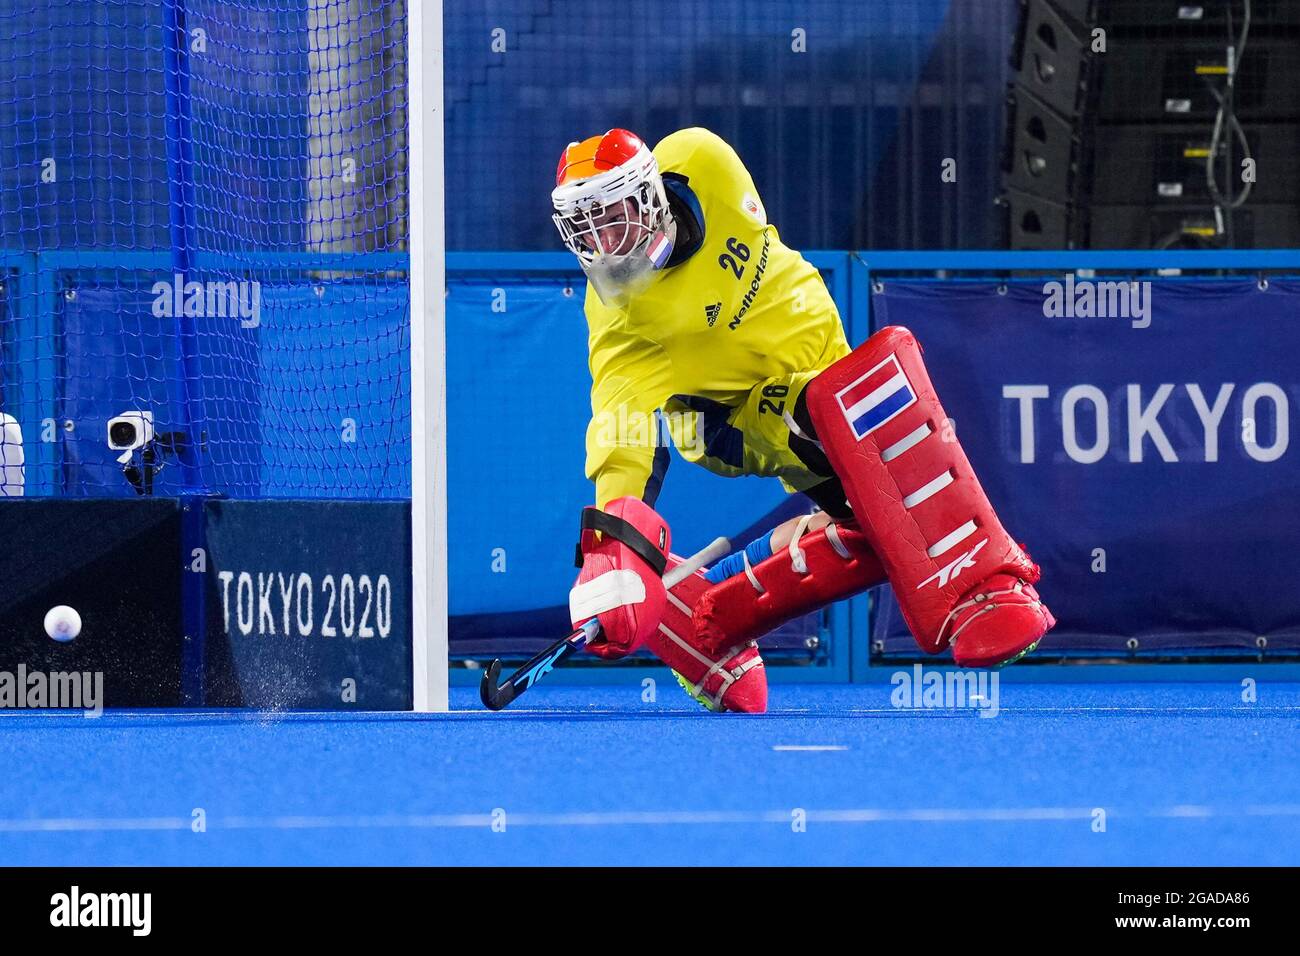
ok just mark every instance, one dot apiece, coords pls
pixel 1187 774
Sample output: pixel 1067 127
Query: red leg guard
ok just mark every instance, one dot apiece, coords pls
pixel 958 576
pixel 731 680
pixel 817 570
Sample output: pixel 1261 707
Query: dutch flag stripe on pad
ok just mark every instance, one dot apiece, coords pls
pixel 876 397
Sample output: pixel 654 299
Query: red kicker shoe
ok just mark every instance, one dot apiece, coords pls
pixel 998 623
pixel 734 680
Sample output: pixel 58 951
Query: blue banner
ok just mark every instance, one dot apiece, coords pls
pixel 1137 440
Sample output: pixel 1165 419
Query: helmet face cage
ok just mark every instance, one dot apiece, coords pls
pixel 603 228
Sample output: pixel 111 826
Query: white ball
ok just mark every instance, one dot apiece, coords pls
pixel 62 623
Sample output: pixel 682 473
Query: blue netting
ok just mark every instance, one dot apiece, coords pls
pixel 203 216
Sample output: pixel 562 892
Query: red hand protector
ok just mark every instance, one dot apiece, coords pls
pixel 623 552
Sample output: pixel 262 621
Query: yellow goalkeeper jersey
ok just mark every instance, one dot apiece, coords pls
pixel 742 309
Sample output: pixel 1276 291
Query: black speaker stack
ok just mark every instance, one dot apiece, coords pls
pixel 1111 125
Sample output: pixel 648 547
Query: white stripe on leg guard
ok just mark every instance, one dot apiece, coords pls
pixel 903 444
pixel 951 540
pixel 926 490
pixel 676 602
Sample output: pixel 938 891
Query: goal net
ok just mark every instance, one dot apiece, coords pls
pixel 217 219
pixel 205 222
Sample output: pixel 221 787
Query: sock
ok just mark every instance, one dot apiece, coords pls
pixel 760 549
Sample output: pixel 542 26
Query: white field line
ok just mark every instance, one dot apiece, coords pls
pixel 628 818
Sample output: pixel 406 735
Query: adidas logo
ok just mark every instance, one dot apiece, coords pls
pixel 711 312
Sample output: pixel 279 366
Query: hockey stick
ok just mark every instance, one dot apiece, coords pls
pixel 496 696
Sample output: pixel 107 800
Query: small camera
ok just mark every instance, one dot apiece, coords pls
pixel 129 431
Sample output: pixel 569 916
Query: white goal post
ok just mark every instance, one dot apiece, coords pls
pixel 428 357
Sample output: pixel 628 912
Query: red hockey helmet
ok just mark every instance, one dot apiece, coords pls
pixel 612 212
